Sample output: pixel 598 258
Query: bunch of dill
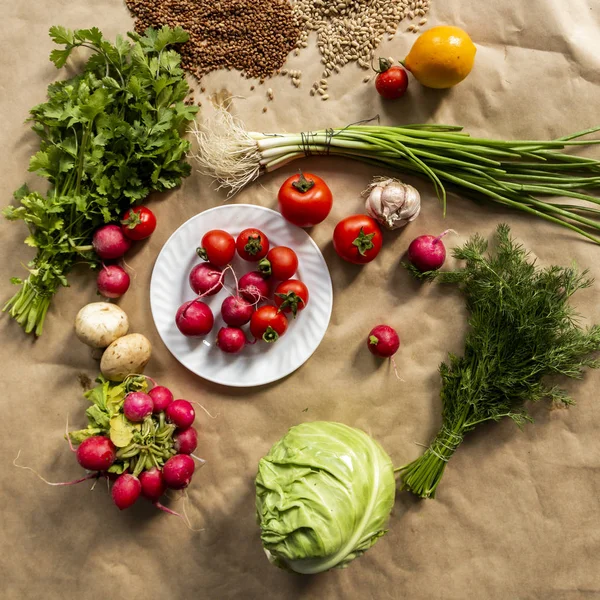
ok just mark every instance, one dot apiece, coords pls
pixel 521 329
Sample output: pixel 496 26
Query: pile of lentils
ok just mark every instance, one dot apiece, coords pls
pixel 252 36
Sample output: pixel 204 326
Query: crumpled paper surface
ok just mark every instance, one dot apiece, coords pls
pixel 517 513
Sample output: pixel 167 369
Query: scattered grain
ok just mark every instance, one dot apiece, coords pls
pixel 325 97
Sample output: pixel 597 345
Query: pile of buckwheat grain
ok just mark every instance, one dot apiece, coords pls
pixel 252 36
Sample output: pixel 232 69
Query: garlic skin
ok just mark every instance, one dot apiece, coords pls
pixel 392 203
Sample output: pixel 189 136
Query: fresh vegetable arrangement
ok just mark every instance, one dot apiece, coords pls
pixel 529 175
pixel 110 135
pixel 315 510
pixel 146 439
pixel 521 329
pixel 276 265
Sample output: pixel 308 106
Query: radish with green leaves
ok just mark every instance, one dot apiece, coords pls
pixel 96 453
pixel 126 490
pixel 178 471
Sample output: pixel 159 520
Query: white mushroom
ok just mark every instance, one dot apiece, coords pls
pixel 100 323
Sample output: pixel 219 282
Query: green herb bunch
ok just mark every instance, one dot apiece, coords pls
pixel 109 136
pixel 521 329
pixel 140 446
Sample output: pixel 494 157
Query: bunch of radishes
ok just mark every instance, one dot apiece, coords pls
pixel 159 457
pixel 268 322
pixel 112 241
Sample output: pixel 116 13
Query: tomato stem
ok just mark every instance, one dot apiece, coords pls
pixel 253 245
pixel 264 267
pixel 201 252
pixel 270 335
pixel 384 65
pixel 363 242
pixel 303 184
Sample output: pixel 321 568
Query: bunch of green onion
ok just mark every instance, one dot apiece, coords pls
pixel 529 175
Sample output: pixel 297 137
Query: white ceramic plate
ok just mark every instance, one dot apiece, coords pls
pixel 261 363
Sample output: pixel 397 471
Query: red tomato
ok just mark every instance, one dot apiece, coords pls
pixel 138 223
pixel 217 247
pixel 305 199
pixel 357 239
pixel 391 83
pixel 268 324
pixel 291 296
pixel 252 244
pixel 280 263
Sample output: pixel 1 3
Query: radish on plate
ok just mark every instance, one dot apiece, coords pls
pixel 252 287
pixel 231 339
pixel 206 279
pixel 194 318
pixel 236 311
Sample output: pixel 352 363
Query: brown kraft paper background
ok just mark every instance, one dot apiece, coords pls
pixel 517 514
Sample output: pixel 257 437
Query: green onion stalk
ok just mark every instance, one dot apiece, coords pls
pixel 532 176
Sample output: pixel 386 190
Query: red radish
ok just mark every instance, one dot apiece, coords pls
pixel 194 318
pixel 153 486
pixel 109 242
pixel 161 397
pixel 206 279
pixel 126 490
pixel 231 339
pixel 383 341
pixel 96 453
pixel 427 252
pixel 112 281
pixel 186 440
pixel 181 413
pixel 137 406
pixel 178 471
pixel 253 287
pixel 236 311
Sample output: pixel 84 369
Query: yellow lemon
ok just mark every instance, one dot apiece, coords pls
pixel 441 57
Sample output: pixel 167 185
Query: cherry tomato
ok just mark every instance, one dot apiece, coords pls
pixel 305 199
pixel 291 296
pixel 268 324
pixel 280 263
pixel 357 239
pixel 138 223
pixel 391 83
pixel 252 244
pixel 217 247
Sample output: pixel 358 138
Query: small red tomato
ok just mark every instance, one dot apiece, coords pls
pixel 305 199
pixel 138 223
pixel 291 296
pixel 391 82
pixel 252 244
pixel 217 247
pixel 280 263
pixel 268 324
pixel 357 239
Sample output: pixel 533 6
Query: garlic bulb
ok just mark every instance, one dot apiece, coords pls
pixel 392 203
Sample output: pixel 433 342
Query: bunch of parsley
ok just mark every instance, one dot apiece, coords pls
pixel 521 329
pixel 109 136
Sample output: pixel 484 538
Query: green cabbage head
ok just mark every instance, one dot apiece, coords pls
pixel 324 493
